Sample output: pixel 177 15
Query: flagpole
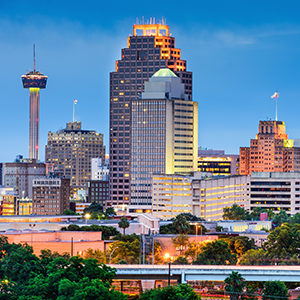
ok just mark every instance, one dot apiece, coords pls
pixel 276 109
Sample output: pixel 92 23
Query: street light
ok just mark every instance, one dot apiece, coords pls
pixel 31 226
pixel 87 217
pixel 168 257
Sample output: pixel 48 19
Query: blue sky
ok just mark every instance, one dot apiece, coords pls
pixel 240 52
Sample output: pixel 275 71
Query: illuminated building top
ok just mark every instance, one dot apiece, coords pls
pixel 150 30
pixel 34 79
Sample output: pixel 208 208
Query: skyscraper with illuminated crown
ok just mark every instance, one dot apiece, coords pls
pixel 150 48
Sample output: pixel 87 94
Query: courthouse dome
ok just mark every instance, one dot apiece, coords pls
pixel 165 72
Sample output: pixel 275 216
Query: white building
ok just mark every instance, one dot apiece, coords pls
pixel 171 196
pixel 164 135
pixel 211 196
pixel 276 191
pixel 99 171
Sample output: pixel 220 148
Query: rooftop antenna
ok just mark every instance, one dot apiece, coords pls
pixel 33 57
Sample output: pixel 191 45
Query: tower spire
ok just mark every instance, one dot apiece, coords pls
pixel 34 57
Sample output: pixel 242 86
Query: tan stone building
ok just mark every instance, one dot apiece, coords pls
pixel 71 150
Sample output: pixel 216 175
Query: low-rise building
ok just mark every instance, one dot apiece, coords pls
pixel 276 191
pixel 50 196
pixel 171 195
pixel 7 201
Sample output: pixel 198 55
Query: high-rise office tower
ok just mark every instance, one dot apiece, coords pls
pixel 164 135
pixel 270 151
pixel 71 150
pixel 34 81
pixel 149 49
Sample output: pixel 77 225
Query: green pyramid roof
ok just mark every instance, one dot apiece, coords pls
pixel 165 72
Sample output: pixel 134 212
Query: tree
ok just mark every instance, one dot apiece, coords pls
pixel 179 292
pixel 69 212
pixel 280 218
pixel 240 244
pixel 193 249
pixel 180 242
pixel 274 289
pixel 88 289
pixel 128 252
pixel 283 241
pixel 295 219
pixel 124 223
pixel 107 231
pixel 110 211
pixel 215 253
pixel 235 212
pixel 254 257
pixel 235 285
pixel 181 225
pixel 52 276
pixel 180 260
pixel 95 210
pixel 100 256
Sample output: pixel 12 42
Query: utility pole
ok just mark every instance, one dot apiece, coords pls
pixel 72 247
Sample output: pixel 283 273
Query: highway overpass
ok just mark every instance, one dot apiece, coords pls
pixel 185 273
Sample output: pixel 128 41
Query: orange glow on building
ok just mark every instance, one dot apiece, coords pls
pixel 270 151
pixel 150 29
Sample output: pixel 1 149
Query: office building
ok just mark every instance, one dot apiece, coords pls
pixel 34 81
pixel 171 196
pixel 276 191
pixel 164 135
pixel 20 174
pixel 50 196
pixel 150 48
pixel 211 196
pixel 71 150
pixel 98 191
pixel 270 151
pixel 24 207
pixel 217 162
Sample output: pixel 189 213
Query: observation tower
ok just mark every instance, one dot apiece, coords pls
pixel 34 81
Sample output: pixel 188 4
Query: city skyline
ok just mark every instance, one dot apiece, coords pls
pixel 246 59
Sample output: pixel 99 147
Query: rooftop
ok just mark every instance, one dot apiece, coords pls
pixel 165 72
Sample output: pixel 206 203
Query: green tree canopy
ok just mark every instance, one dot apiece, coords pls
pixel 179 292
pixel 95 210
pixel 235 212
pixel 110 211
pixel 69 212
pixel 239 245
pixel 52 276
pixel 273 289
pixel 254 257
pixel 215 253
pixel 280 218
pixel 107 231
pixel 180 260
pixel 283 241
